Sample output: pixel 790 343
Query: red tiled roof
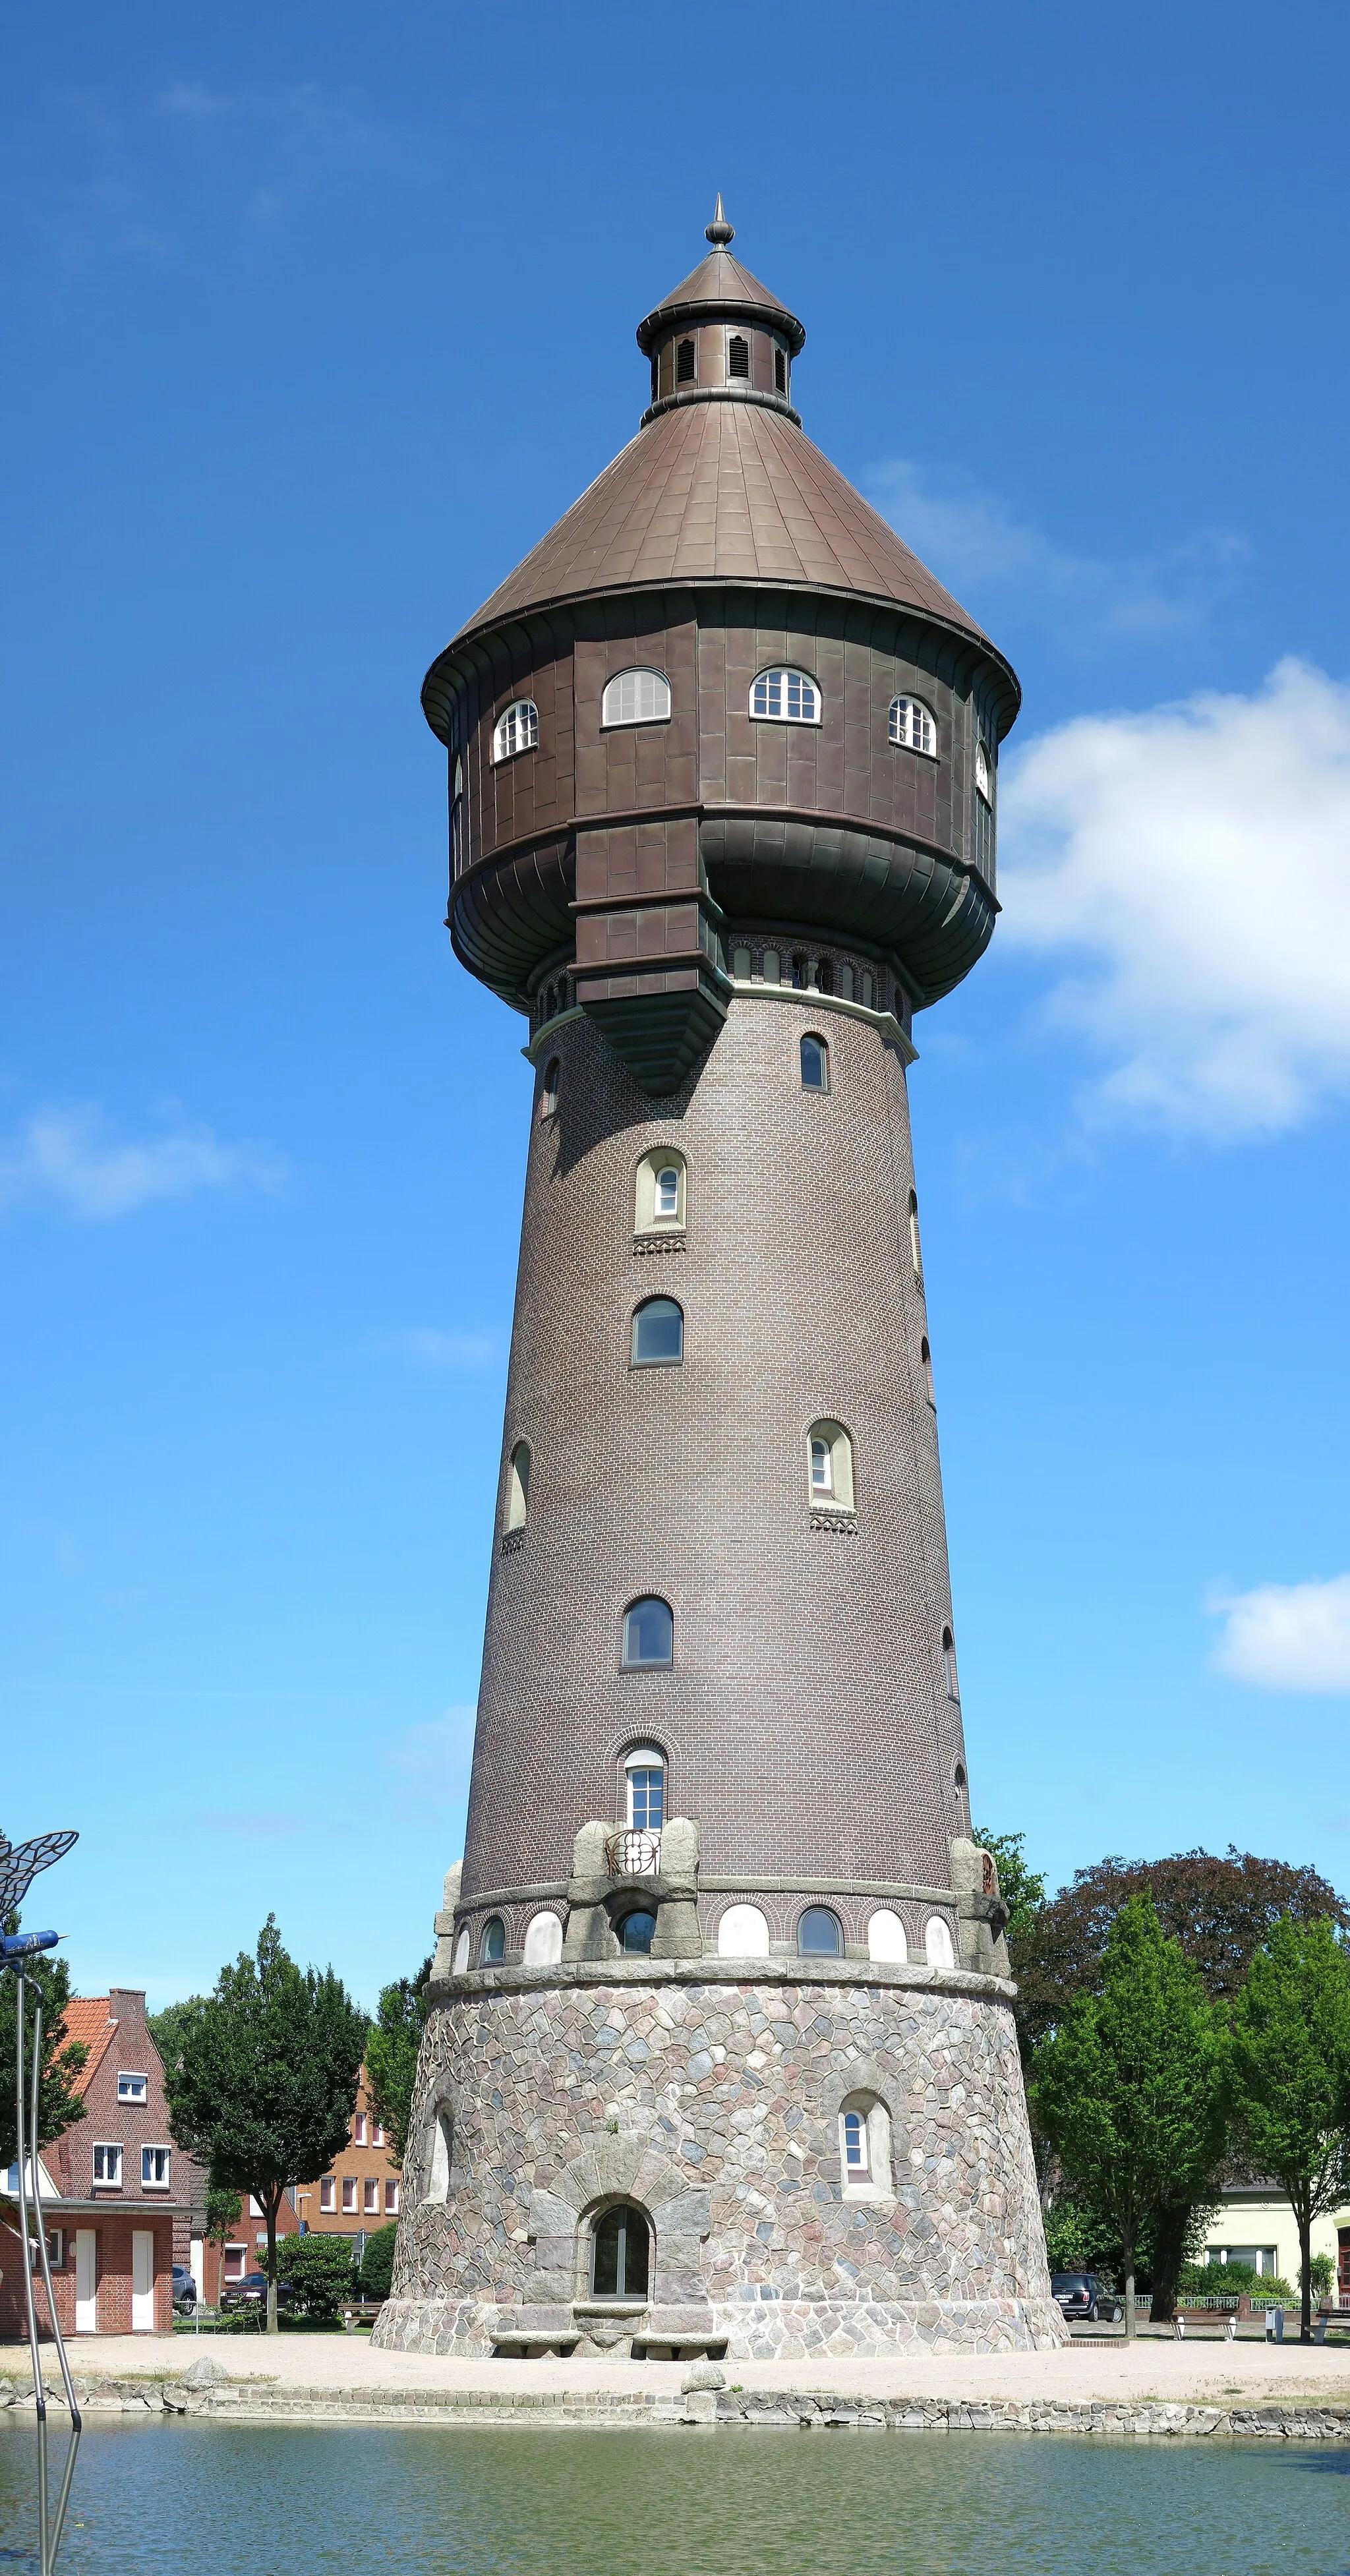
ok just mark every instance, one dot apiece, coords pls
pixel 87 2020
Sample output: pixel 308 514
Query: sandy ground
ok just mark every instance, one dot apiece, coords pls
pixel 1200 2371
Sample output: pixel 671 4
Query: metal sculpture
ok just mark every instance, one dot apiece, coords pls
pixel 18 1869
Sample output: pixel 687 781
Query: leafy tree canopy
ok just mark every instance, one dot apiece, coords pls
pixel 377 2263
pixel 59 2105
pixel 169 2028
pixel 1291 2071
pixel 321 2272
pixel 1021 1888
pixel 391 2056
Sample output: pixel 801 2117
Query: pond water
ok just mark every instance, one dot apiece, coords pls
pixel 177 2498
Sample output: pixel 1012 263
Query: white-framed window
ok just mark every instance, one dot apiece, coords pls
pixel 255 2207
pixel 328 2195
pixel 865 2148
pixel 856 2165
pixel 236 2257
pixel 937 1943
pixel 132 2088
pixel 107 2165
pixel 645 1782
pixel 743 1933
pixel 391 2199
pixel 155 2168
pixel 636 697
pixel 377 2134
pixel 359 2129
pixel 349 2193
pixel 56 2248
pixel 659 1191
pixel 786 697
pixel 984 775
pixel 517 1486
pixel 517 729
pixel 830 1466
pixel 913 726
pixel 372 2198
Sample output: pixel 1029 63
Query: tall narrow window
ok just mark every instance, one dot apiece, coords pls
pixel 779 372
pixel 983 774
pixel 912 725
pixel 771 966
pixel 914 1252
pixel 865 989
pixel 949 1664
pixel 738 355
pixel 926 1357
pixel 548 1096
pixel 494 1942
pixel 855 2145
pixel 620 2254
pixel 830 1452
pixel 865 2148
pixel 684 363
pixel 645 1776
pixel 457 816
pixel 740 965
pixel 937 1942
pixel 636 697
pixel 648 1633
pixel 668 1191
pixel 517 730
pixel 658 1333
pixel 659 1191
pixel 815 1059
pixel 518 1486
pixel 786 697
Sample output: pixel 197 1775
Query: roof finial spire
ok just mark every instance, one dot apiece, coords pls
pixel 719 232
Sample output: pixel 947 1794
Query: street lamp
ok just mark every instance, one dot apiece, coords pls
pixel 18 1869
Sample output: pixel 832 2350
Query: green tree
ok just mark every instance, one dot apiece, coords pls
pixel 377 2263
pixel 59 2105
pixel 321 2273
pixel 1022 1889
pixel 169 2028
pixel 1131 2087
pixel 1291 2074
pixel 391 2056
pixel 264 2090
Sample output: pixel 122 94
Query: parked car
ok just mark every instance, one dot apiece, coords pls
pixel 251 2292
pixel 184 2287
pixel 1085 2294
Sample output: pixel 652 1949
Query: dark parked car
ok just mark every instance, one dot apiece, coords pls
pixel 1085 2294
pixel 251 2292
pixel 184 2287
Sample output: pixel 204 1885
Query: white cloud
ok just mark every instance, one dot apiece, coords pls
pixel 974 542
pixel 1191 866
pixel 67 1155
pixel 1286 1636
pixel 445 1350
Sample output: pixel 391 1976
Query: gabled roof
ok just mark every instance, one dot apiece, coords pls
pixel 87 2019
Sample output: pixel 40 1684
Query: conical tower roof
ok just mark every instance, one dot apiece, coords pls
pixel 720 285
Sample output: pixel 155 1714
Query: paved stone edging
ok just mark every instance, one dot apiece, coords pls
pixel 238 2401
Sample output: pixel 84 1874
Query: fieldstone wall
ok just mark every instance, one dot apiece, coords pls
pixel 716 2107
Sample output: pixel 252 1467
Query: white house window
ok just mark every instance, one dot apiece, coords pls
pixel 391 2199
pixel 865 2148
pixel 786 697
pixel 518 1485
pixel 372 2198
pixel 349 2193
pixel 328 2195
pixel 645 1772
pixel 668 1190
pixel 517 730
pixel 636 697
pixel 912 725
pixel 984 778
pixel 155 2168
pixel 108 2166
pixel 855 2146
pixel 132 2088
pixel 659 1188
pixel 830 1452
pixel 359 2129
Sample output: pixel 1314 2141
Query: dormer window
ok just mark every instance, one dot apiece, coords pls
pixel 912 726
pixel 738 355
pixel 636 697
pixel 133 2088
pixel 517 730
pixel 786 697
pixel 684 363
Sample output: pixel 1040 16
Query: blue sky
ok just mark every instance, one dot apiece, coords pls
pixel 315 319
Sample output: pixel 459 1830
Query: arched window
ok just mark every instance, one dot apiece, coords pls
pixel 620 2258
pixel 912 725
pixel 461 1958
pixel 658 1333
pixel 914 1252
pixel 865 2147
pixel 684 363
pixel 865 989
pixel 771 966
pixel 738 355
pixel 949 1664
pixel 984 777
pixel 743 1933
pixel 543 1940
pixel 937 1943
pixel 830 1453
pixel 645 1781
pixel 786 697
pixel 517 1486
pixel 820 1934
pixel 659 1191
pixel 824 976
pixel 494 1941
pixel 886 1936
pixel 635 697
pixel 815 1056
pixel 637 1933
pixel 740 965
pixel 926 1358
pixel 548 1094
pixel 438 2153
pixel 517 730
pixel 648 1633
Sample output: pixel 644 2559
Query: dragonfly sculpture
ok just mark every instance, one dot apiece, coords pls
pixel 19 1866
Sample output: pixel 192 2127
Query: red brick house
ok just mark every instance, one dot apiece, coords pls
pixel 122 2203
pixel 361 2190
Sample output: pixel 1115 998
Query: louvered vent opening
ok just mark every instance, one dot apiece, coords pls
pixel 780 371
pixel 739 355
pixel 684 363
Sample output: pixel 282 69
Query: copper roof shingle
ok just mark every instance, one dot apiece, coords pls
pixel 721 491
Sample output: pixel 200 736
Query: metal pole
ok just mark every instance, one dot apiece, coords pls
pixel 39 2393
pixel 63 2499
